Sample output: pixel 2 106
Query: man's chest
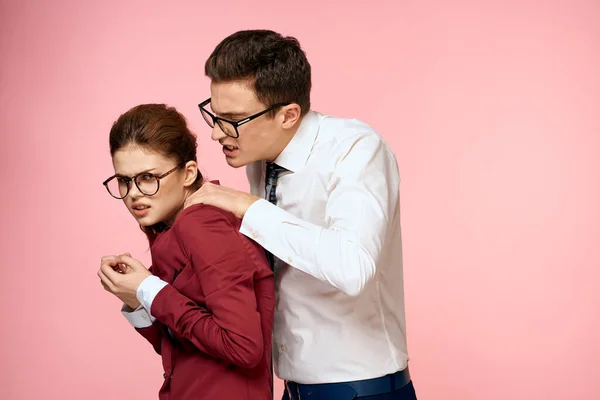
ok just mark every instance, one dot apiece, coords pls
pixel 303 193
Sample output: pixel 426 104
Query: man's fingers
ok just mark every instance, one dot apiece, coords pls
pixel 199 196
pixel 205 186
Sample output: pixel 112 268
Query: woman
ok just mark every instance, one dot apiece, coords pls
pixel 206 304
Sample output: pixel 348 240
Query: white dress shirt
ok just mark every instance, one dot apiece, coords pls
pixel 146 292
pixel 336 233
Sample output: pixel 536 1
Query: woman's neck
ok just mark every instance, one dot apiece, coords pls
pixel 173 217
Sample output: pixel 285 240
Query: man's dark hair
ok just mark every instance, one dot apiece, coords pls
pixel 275 65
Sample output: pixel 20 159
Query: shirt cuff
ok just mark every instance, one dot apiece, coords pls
pixel 256 215
pixel 138 318
pixel 148 290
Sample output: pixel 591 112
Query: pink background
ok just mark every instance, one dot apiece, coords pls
pixel 491 107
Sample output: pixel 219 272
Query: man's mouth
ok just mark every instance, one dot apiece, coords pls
pixel 229 147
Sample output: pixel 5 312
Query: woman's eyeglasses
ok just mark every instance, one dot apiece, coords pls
pixel 147 183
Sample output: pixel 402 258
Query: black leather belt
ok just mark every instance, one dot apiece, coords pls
pixel 368 387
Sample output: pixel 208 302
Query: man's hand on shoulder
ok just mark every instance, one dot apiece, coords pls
pixel 222 197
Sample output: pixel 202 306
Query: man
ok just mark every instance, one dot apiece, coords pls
pixel 324 204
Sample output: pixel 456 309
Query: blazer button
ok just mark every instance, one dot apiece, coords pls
pixel 165 375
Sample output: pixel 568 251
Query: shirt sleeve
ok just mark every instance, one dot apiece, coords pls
pixel 362 201
pixel 229 325
pixel 147 291
pixel 138 318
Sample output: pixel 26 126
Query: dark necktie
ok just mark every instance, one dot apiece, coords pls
pixel 271 177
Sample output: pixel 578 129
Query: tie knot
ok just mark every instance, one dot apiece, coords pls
pixel 273 170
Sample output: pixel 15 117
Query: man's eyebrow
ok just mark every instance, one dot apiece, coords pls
pixel 231 114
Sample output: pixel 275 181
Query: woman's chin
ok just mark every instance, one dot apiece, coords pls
pixel 146 221
pixel 148 224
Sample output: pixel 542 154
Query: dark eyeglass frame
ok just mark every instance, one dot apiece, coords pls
pixel 134 179
pixel 219 121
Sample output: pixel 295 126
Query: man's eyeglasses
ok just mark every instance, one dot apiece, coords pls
pixel 147 183
pixel 230 128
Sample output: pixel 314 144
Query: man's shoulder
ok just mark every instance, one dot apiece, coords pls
pixel 340 134
pixel 342 129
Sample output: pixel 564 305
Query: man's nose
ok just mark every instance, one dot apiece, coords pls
pixel 217 133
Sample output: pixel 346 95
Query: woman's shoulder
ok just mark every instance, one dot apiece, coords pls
pixel 214 234
pixel 198 216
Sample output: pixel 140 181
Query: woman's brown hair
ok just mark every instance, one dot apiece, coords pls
pixel 159 128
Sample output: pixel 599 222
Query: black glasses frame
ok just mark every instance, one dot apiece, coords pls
pixel 134 179
pixel 219 121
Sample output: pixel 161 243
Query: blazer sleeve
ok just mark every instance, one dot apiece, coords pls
pixel 145 324
pixel 152 334
pixel 229 326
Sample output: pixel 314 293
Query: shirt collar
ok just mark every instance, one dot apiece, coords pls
pixel 295 154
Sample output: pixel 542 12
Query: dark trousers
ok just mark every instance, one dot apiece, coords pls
pixel 407 392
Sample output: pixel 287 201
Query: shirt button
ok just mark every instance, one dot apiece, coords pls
pixel 289 260
pixel 143 316
pixel 282 348
pixel 254 234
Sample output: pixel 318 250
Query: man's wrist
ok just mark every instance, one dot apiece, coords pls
pixel 249 199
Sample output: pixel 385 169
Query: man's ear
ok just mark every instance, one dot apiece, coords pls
pixel 290 115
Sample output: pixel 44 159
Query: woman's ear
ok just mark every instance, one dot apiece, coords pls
pixel 191 172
